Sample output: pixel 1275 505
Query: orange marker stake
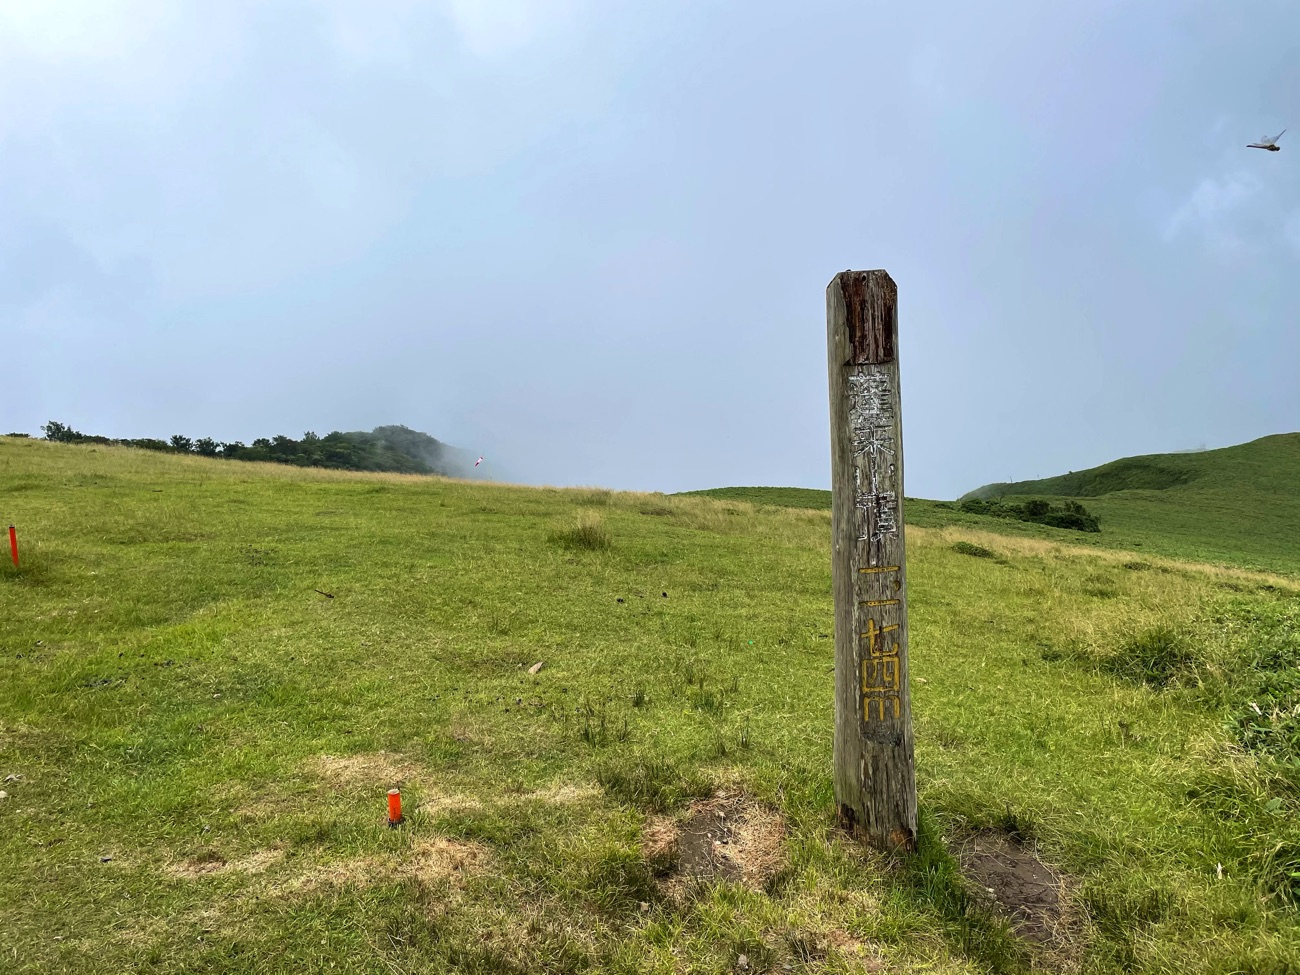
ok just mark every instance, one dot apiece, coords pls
pixel 394 807
pixel 13 543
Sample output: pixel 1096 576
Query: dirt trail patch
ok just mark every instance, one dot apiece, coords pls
pixel 1029 891
pixel 726 837
pixel 212 862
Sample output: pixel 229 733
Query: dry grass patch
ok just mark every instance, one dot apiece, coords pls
pixel 212 862
pixel 865 953
pixel 808 948
pixel 387 769
pixel 437 803
pixel 429 861
pixel 260 810
pixel 1111 558
pixel 567 793
pixel 441 858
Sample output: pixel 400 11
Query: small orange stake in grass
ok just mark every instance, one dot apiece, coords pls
pixel 394 807
pixel 13 543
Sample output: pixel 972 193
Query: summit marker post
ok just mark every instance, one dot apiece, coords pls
pixel 874 761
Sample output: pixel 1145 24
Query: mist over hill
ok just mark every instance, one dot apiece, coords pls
pixel 394 448
pixel 438 457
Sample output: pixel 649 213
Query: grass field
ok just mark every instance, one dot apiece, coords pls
pixel 1236 506
pixel 196 743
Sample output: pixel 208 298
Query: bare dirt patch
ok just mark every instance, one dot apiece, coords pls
pixel 726 837
pixel 1031 893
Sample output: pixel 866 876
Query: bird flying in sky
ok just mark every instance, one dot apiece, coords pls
pixel 1266 143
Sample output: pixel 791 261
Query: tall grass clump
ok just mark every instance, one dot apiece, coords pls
pixel 1266 718
pixel 977 551
pixel 1157 657
pixel 651 782
pixel 588 533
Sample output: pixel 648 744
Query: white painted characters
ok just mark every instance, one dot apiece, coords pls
pixel 872 435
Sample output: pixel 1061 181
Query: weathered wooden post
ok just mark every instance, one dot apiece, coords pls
pixel 875 770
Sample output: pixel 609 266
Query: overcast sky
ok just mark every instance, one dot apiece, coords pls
pixel 591 239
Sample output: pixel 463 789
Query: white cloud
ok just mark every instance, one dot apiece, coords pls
pixel 1211 201
pixel 380 30
pixel 185 136
pixel 1209 211
pixel 492 28
pixel 63 61
pixel 59 31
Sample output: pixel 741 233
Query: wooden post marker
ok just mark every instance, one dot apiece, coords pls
pixel 875 769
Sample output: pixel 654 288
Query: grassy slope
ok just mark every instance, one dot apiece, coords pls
pixel 918 511
pixel 1236 506
pixel 781 497
pixel 176 697
pixel 1240 504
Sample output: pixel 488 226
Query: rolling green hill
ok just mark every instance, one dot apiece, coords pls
pixel 211 674
pixel 1234 506
pixel 393 449
pixel 1269 464
pixel 1238 505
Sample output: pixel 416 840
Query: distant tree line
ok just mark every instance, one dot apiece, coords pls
pixel 1069 514
pixel 388 448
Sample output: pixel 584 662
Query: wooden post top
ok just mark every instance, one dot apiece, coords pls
pixel 871 313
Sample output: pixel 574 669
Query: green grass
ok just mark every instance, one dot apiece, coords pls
pixel 200 742
pixel 780 497
pixel 1238 506
pixel 919 511
pixel 978 551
